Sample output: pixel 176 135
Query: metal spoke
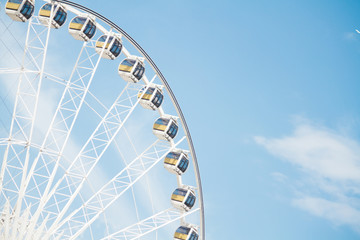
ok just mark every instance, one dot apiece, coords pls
pixel 116 187
pixel 62 123
pixel 149 225
pixel 25 109
pixel 94 148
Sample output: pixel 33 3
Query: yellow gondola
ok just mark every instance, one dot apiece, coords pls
pixel 176 161
pixel 165 128
pixel 183 198
pixel 82 28
pixel 111 49
pixel 20 10
pixel 152 98
pixel 59 15
pixel 186 233
pixel 132 69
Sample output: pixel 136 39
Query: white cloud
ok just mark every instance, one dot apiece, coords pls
pixel 351 36
pixel 330 165
pixel 280 177
pixel 339 213
pixel 323 152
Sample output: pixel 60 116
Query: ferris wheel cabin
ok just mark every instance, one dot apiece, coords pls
pixel 20 10
pixel 176 161
pixel 111 49
pixel 132 69
pixel 82 28
pixel 165 128
pixel 183 198
pixel 186 233
pixel 152 98
pixel 58 18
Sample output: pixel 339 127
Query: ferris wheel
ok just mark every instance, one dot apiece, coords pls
pixel 93 143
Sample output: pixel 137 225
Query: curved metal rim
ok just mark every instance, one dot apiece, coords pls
pixel 172 96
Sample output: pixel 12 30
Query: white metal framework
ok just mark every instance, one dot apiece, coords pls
pixel 78 157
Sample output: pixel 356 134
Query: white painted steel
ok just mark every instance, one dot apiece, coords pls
pixel 39 194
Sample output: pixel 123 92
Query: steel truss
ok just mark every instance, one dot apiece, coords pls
pixel 149 225
pixel 82 217
pixel 61 126
pixel 16 157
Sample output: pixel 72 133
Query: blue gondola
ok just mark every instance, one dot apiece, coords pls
pixel 111 49
pixel 165 128
pixel 176 161
pixel 152 98
pixel 132 69
pixel 186 233
pixel 82 28
pixel 20 10
pixel 59 15
pixel 183 198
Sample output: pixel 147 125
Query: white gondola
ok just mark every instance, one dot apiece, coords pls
pixel 152 98
pixel 59 15
pixel 186 233
pixel 132 69
pixel 176 161
pixel 183 198
pixel 165 128
pixel 111 49
pixel 20 10
pixel 82 28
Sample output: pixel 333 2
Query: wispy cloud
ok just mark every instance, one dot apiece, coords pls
pixel 338 213
pixel 329 163
pixel 319 150
pixel 280 177
pixel 351 36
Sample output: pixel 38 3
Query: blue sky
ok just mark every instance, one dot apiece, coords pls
pixel 270 93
